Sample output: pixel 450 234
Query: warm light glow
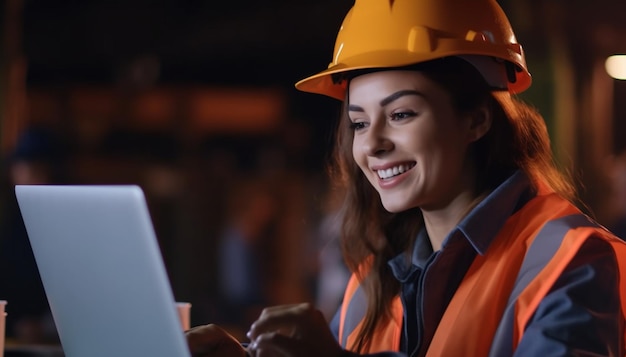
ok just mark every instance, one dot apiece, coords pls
pixel 616 66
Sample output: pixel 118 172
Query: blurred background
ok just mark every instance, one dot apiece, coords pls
pixel 194 101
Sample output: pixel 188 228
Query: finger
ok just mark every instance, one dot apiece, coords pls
pixel 277 309
pixel 275 344
pixel 199 337
pixel 284 320
pixel 196 328
pixel 206 338
pixel 281 307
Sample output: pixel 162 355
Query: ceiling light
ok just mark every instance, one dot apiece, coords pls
pixel 616 66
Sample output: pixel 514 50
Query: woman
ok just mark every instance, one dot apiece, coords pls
pixel 458 228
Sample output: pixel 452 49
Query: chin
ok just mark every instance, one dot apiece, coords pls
pixel 396 207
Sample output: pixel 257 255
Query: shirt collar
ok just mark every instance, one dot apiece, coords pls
pixel 484 222
pixel 404 265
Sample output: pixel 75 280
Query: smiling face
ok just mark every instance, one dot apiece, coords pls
pixel 410 142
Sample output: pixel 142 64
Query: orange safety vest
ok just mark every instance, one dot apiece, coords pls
pixel 502 289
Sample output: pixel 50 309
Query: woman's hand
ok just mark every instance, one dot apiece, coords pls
pixel 292 331
pixel 211 340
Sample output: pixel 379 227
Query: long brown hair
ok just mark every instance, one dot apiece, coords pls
pixel 518 139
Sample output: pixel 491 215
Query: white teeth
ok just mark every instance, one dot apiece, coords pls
pixel 394 171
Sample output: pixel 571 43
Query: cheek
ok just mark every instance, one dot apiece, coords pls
pixel 436 144
pixel 360 158
pixel 419 143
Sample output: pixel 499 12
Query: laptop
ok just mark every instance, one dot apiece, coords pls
pixel 102 270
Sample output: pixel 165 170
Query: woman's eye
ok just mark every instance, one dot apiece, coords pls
pixel 401 115
pixel 357 125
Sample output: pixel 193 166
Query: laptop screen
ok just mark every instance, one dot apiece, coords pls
pixel 102 270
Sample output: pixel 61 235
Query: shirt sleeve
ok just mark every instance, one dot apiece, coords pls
pixel 581 315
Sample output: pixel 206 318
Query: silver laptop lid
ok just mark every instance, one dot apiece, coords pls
pixel 102 270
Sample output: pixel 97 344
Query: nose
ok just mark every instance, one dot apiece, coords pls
pixel 377 141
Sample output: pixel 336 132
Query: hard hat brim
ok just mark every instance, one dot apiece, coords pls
pixel 323 83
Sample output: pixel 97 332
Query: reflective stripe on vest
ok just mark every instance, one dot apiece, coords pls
pixel 386 337
pixel 502 289
pixel 542 249
pixel 354 314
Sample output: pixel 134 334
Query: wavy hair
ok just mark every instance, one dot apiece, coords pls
pixel 517 140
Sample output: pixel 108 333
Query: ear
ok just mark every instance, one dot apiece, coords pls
pixel 479 123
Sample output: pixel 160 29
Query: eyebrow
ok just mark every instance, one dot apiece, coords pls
pixel 388 99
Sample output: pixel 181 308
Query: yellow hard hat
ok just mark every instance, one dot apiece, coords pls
pixel 396 33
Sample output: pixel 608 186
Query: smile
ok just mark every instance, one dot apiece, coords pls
pixel 394 171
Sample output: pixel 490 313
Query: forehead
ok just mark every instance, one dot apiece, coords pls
pixel 380 84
